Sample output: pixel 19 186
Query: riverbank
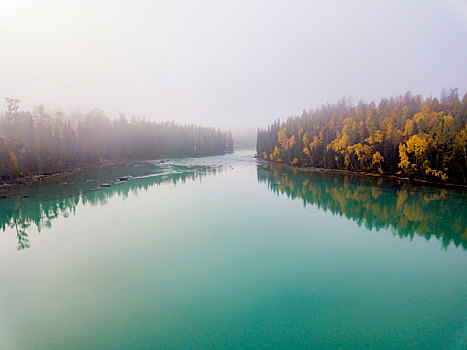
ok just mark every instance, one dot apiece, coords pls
pixel 12 185
pixel 393 177
pixel 8 186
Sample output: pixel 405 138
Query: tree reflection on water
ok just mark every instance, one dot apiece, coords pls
pixel 377 203
pixel 41 205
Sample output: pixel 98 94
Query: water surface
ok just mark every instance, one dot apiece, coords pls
pixel 222 252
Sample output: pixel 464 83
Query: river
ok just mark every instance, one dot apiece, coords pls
pixel 226 252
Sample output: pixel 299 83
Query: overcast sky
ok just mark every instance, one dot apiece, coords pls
pixel 227 64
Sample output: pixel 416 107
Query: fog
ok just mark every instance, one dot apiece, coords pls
pixel 237 64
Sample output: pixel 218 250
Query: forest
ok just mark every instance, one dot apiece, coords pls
pixel 38 142
pixel 411 136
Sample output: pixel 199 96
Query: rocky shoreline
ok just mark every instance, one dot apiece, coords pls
pixel 8 186
pixel 26 181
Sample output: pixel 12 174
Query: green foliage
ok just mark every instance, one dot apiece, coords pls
pixel 408 135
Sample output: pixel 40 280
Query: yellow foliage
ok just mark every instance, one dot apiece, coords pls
pixel 415 137
pixel 294 161
pixel 14 160
pixel 377 137
pixel 417 117
pixel 282 138
pixel 377 158
pixel 275 154
pixel 405 164
pixel 292 141
pixel 347 160
pixel 438 173
pixel 461 140
pixel 448 119
pixel 315 143
pixel 409 127
pixel 417 145
pixel 339 145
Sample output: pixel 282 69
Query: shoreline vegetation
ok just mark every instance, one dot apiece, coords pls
pixel 408 138
pixel 39 144
pixel 11 185
pixel 384 176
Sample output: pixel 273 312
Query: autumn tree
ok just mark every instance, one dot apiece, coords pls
pixel 410 135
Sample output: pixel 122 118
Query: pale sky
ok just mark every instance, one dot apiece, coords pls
pixel 227 64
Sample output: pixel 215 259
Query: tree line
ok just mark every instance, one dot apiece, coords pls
pixel 37 142
pixel 407 209
pixel 406 135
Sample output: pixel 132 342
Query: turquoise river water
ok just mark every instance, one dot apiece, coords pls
pixel 228 253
